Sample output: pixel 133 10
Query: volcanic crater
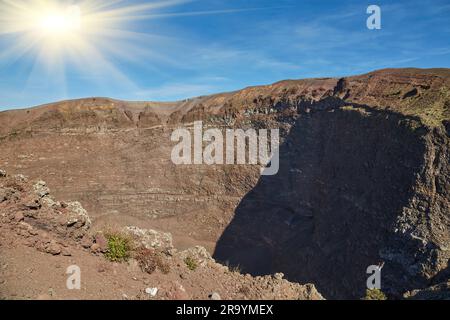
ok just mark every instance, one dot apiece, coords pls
pixel 364 175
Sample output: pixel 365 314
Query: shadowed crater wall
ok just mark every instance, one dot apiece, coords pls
pixel 330 212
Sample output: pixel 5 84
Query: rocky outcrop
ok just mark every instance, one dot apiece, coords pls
pixel 31 205
pixel 151 239
pixel 437 292
pixel 30 217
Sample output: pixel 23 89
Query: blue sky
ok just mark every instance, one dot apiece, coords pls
pixel 191 48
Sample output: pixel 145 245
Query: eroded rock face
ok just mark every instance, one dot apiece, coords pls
pixel 364 175
pixel 78 216
pixel 25 200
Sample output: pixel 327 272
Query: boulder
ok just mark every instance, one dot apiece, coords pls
pixel 50 202
pixel 151 239
pixel 199 253
pixel 214 296
pixel 152 292
pixel 78 216
pixel 278 276
pixel 41 189
pixel 53 248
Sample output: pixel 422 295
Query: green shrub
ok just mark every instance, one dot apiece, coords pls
pixel 375 294
pixel 119 247
pixel 190 263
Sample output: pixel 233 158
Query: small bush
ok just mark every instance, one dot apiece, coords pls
pixel 119 246
pixel 190 263
pixel 233 268
pixel 163 266
pixel 375 294
pixel 146 259
pixel 149 260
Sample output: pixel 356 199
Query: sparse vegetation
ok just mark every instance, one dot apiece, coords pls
pixel 146 259
pixel 190 263
pixel 149 260
pixel 375 294
pixel 119 246
pixel 430 107
pixel 233 268
pixel 163 266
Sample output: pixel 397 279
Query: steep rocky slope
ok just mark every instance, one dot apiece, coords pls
pixel 41 237
pixel 364 175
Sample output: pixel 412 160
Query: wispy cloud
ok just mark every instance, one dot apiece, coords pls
pixel 228 56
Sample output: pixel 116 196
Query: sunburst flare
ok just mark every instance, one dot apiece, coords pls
pixel 84 34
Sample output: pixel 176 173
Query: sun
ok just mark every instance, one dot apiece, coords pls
pixel 51 25
pixel 59 23
pixel 85 37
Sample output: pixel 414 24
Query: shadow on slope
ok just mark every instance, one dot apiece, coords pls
pixel 344 178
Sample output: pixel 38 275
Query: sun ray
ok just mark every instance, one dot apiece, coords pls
pixel 189 14
pixel 89 37
pixel 15 52
pixel 83 33
pixel 146 7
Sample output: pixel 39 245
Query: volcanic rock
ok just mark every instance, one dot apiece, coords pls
pixel 364 178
